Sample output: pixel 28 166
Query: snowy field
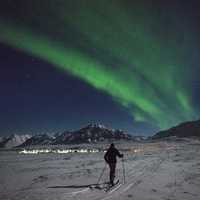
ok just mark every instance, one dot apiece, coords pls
pixel 153 171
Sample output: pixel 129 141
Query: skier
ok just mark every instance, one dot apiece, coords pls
pixel 110 158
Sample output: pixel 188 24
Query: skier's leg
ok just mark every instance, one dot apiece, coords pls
pixel 112 172
pixel 110 166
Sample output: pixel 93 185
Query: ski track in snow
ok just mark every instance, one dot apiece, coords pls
pixel 80 191
pixel 146 170
pixel 134 181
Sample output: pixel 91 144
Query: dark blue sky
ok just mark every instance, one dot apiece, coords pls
pixel 35 96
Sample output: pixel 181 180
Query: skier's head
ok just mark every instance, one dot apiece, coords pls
pixel 112 145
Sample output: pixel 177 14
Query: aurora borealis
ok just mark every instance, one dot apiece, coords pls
pixel 141 53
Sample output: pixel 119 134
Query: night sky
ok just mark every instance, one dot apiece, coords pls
pixel 128 64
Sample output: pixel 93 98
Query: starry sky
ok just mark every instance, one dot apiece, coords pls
pixel 132 65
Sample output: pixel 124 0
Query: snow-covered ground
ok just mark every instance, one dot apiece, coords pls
pixel 159 170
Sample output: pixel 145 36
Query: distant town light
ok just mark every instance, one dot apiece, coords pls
pixel 59 151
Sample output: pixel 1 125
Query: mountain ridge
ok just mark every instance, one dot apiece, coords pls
pixel 185 129
pixel 13 140
pixel 91 133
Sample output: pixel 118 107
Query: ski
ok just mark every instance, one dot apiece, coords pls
pixel 99 186
pixel 110 187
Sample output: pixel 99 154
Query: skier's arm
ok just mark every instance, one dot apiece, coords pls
pixel 119 154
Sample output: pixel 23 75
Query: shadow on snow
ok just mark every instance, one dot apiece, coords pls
pixel 77 186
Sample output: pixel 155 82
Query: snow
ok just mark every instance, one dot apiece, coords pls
pixel 165 170
pixel 14 140
pixel 96 125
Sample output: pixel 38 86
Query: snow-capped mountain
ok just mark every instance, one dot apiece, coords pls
pixel 91 133
pixel 13 140
pixel 40 139
pixel 139 138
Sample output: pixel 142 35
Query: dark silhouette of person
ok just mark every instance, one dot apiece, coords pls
pixel 111 158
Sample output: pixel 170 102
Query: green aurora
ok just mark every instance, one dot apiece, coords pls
pixel 114 48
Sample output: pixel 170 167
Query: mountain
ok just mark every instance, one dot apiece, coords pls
pixel 40 139
pixel 186 129
pixel 13 140
pixel 91 133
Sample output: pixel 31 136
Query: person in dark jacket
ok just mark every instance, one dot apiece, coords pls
pixel 111 158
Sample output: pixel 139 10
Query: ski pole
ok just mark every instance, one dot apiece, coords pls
pixel 101 174
pixel 123 169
